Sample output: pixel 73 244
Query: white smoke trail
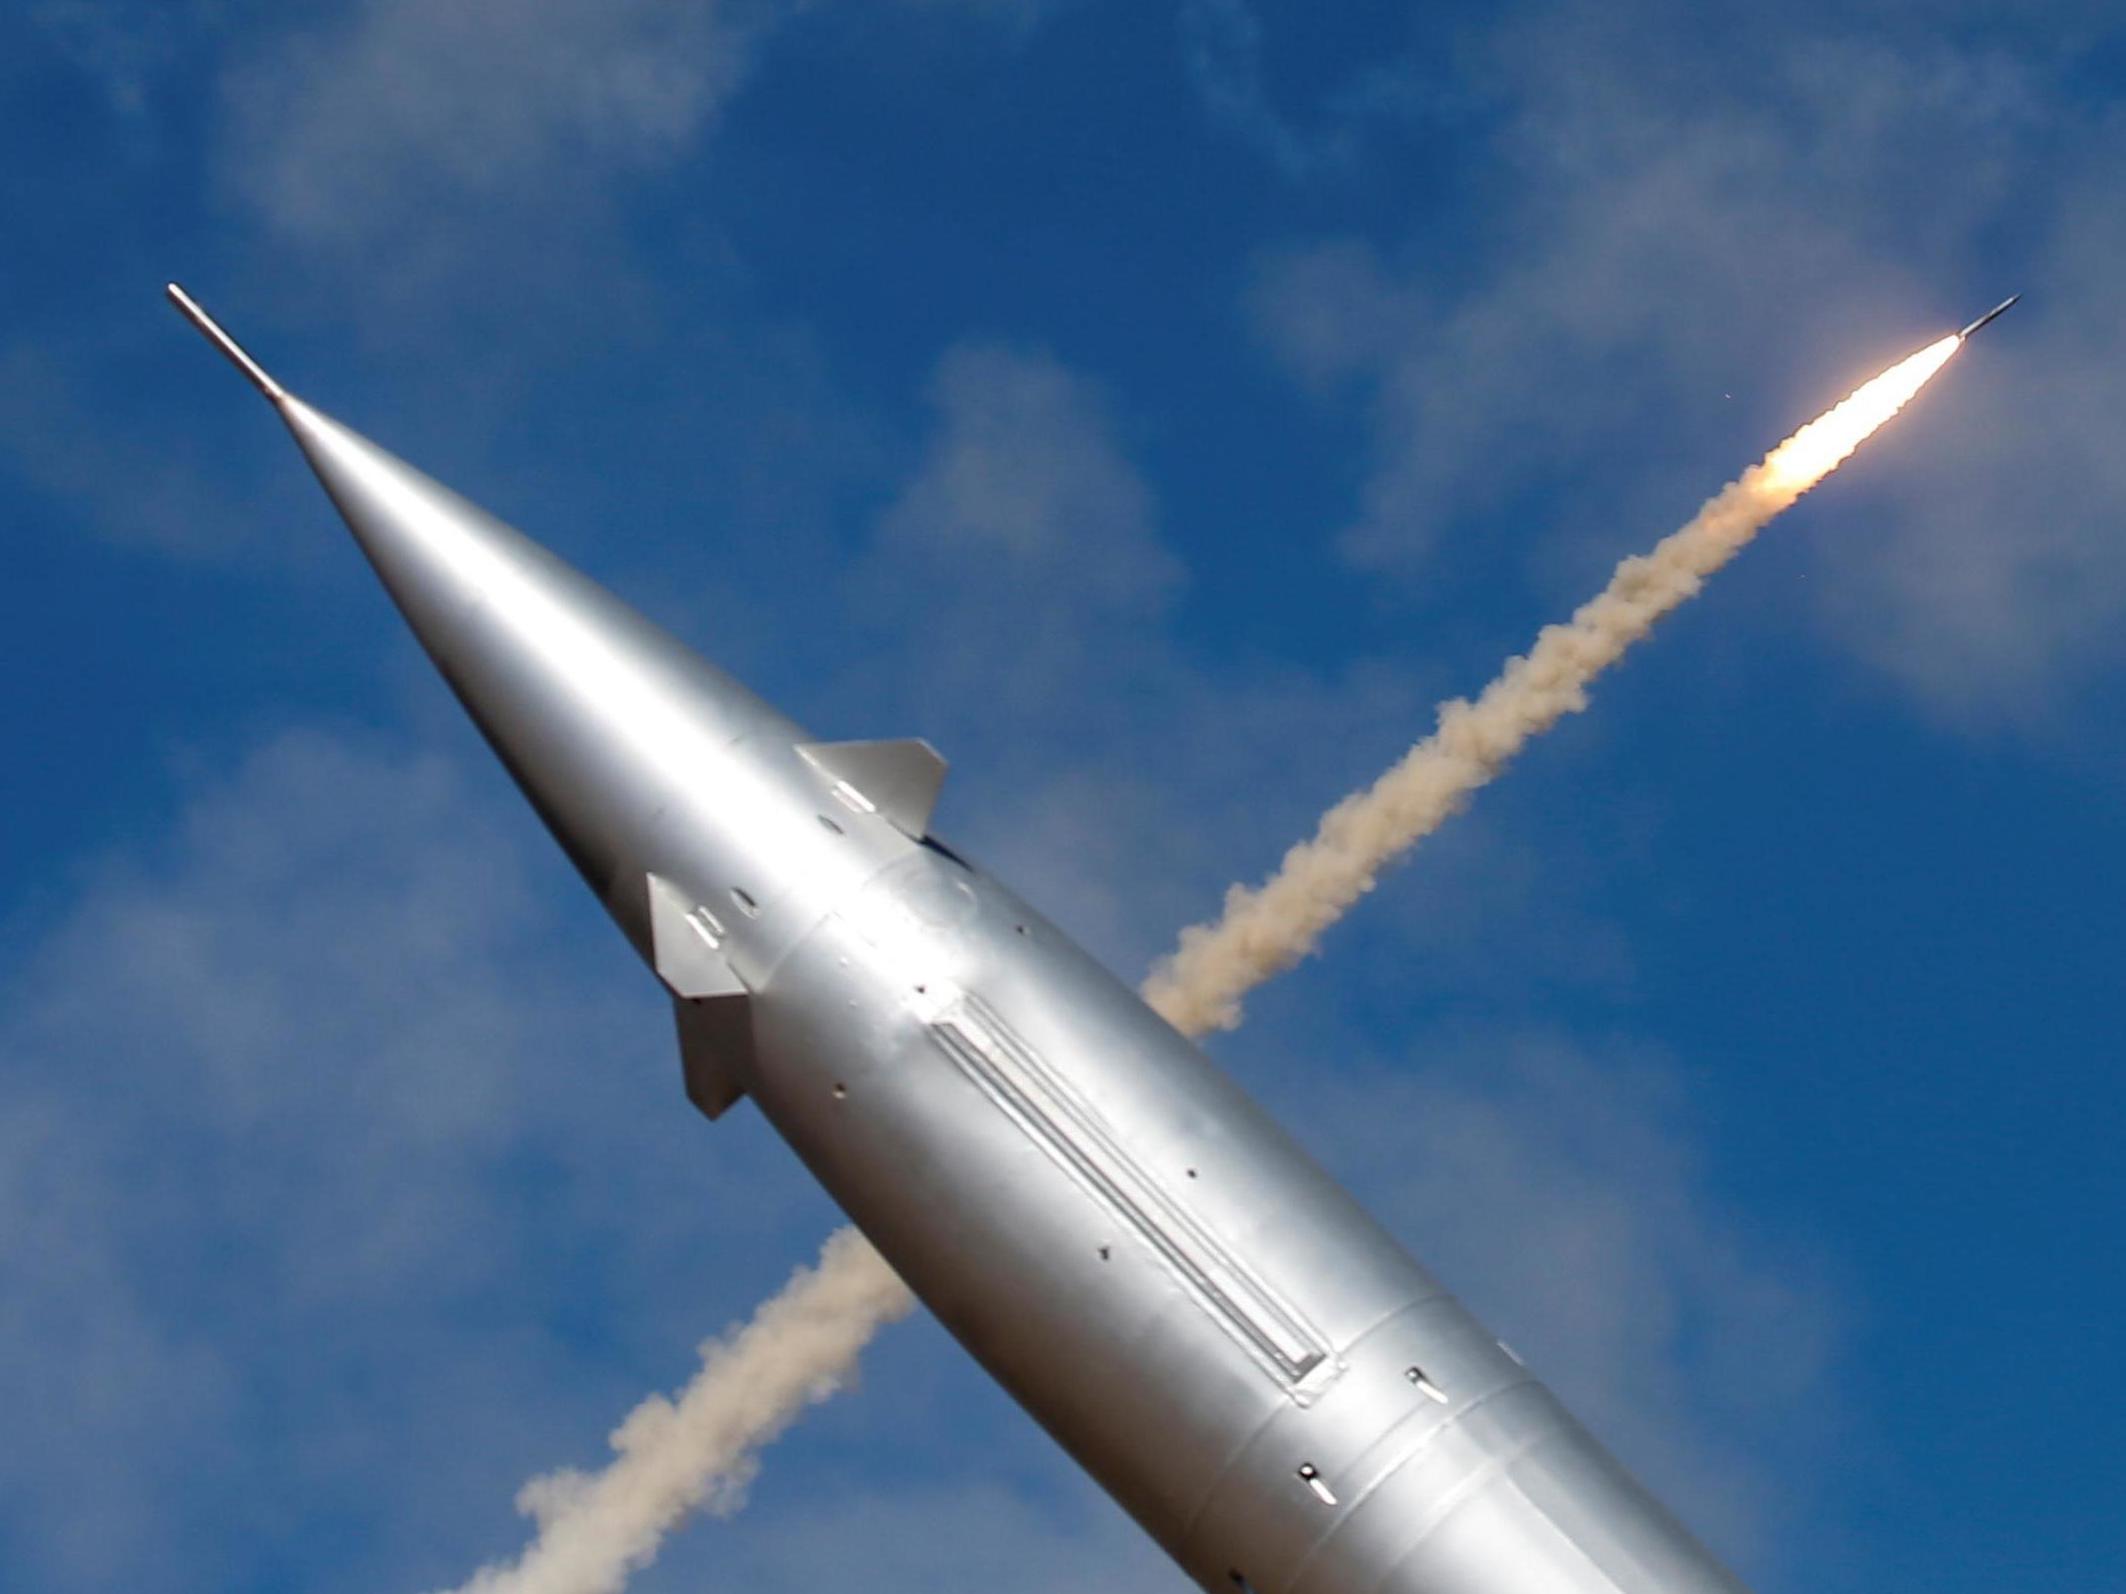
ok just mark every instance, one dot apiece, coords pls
pixel 1267 929
pixel 675 1457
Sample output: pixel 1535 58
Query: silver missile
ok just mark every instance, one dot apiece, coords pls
pixel 1256 1370
pixel 1989 315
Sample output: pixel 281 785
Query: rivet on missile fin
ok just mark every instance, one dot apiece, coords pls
pixel 1425 1386
pixel 841 1091
pixel 1106 1251
pixel 1192 1173
pixel 1310 1475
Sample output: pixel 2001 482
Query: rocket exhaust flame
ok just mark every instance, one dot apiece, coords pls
pixel 1822 446
pixel 1267 929
pixel 697 1450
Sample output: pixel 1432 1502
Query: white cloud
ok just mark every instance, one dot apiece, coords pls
pixel 1328 311
pixel 1025 479
pixel 351 131
pixel 1020 567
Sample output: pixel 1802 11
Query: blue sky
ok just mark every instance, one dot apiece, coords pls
pixel 1160 409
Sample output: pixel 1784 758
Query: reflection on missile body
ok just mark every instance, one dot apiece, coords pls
pixel 1234 1350
pixel 1989 315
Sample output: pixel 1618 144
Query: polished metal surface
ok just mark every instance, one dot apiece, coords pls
pixel 1257 1371
pixel 211 330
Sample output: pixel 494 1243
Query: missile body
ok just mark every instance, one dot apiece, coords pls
pixel 1989 315
pixel 1235 1351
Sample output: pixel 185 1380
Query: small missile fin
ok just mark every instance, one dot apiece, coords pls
pixel 709 1001
pixel 715 1041
pixel 898 779
pixel 687 945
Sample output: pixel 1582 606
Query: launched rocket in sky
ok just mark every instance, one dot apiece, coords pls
pixel 1989 315
pixel 1235 1351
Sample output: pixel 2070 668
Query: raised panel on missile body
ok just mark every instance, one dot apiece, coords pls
pixel 1257 1371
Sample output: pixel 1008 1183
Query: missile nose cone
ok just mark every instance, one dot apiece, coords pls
pixel 1989 315
pixel 211 330
pixel 588 703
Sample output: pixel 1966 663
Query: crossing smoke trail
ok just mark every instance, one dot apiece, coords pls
pixel 697 1450
pixel 1265 930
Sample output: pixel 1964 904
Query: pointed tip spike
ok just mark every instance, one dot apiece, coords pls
pixel 211 330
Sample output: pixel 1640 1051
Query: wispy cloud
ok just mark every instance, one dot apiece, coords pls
pixel 107 472
pixel 1222 49
pixel 125 48
pixel 1024 481
pixel 342 132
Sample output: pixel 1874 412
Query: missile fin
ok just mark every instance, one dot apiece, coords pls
pixel 715 1041
pixel 710 1003
pixel 687 946
pixel 899 779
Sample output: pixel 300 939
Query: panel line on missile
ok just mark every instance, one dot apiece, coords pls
pixel 1011 1074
